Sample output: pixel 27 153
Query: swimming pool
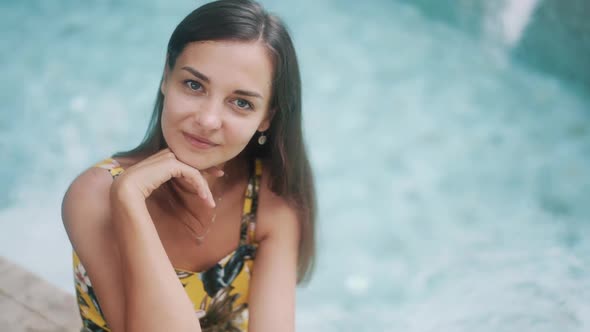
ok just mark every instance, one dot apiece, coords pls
pixel 452 180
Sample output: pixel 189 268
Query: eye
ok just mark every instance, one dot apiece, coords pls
pixel 243 104
pixel 193 85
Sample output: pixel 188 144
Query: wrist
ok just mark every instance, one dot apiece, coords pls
pixel 124 195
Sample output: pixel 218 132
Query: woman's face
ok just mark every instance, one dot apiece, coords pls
pixel 215 99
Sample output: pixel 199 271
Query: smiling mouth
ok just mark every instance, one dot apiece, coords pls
pixel 199 142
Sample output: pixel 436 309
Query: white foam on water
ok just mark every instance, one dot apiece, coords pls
pixel 515 16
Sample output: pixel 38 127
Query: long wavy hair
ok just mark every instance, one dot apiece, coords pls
pixel 284 154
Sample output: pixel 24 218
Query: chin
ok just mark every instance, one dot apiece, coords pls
pixel 204 159
pixel 192 158
pixel 198 161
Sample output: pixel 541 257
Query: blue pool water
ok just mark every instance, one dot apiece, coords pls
pixel 453 181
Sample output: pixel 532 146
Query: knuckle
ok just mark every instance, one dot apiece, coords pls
pixel 168 161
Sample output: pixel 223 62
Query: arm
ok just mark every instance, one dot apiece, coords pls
pixel 133 279
pixel 86 218
pixel 112 232
pixel 154 298
pixel 274 278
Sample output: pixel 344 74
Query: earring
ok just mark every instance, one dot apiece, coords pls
pixel 261 138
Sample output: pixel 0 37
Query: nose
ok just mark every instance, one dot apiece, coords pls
pixel 208 115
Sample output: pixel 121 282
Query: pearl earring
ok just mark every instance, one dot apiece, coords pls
pixel 262 138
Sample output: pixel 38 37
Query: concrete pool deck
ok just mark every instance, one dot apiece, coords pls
pixel 29 303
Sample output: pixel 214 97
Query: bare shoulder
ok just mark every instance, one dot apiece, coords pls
pixel 275 214
pixel 86 201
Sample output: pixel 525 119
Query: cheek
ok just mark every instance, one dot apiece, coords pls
pixel 177 109
pixel 177 104
pixel 239 132
pixel 173 112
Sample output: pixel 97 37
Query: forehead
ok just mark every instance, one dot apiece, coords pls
pixel 231 64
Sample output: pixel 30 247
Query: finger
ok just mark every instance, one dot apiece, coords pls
pixel 200 183
pixel 177 168
pixel 167 153
pixel 155 158
pixel 159 155
pixel 162 155
pixel 215 171
pixel 209 194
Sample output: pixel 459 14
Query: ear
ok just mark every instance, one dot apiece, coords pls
pixel 265 124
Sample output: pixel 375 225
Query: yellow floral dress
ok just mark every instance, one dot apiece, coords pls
pixel 219 295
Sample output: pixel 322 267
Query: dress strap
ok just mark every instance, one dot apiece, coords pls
pixel 110 165
pixel 248 228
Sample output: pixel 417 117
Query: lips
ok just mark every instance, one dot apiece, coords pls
pixel 199 142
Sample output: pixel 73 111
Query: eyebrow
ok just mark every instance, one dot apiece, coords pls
pixel 202 76
pixel 197 73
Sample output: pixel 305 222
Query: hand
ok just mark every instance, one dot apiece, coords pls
pixel 141 179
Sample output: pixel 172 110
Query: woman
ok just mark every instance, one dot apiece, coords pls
pixel 219 195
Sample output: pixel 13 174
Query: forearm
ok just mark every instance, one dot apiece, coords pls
pixel 154 298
